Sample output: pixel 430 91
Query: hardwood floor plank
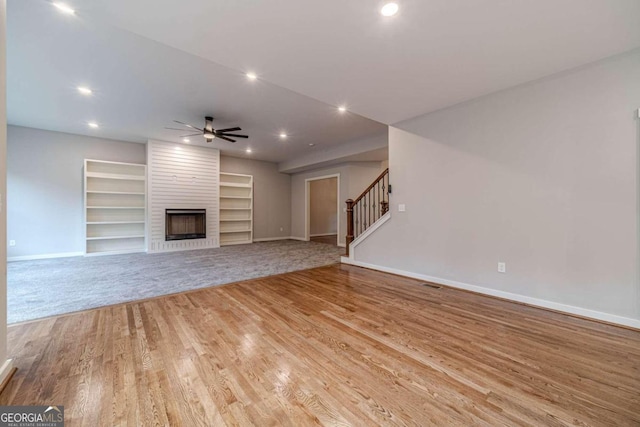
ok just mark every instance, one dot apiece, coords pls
pixel 336 345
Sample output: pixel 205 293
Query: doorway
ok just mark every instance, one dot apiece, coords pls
pixel 323 209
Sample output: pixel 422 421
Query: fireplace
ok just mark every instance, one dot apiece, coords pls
pixel 184 224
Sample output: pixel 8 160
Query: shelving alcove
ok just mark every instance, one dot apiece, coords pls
pixel 236 209
pixel 114 205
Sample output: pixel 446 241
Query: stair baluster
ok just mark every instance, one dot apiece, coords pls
pixel 364 211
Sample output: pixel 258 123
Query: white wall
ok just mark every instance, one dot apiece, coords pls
pixel 354 178
pixel 45 195
pixel 543 177
pixel 323 199
pixel 5 365
pixel 271 196
pixel 181 176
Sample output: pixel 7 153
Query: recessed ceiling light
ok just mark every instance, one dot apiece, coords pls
pixel 186 140
pixel 311 144
pixel 252 76
pixel 84 90
pixel 283 135
pixel 93 125
pixel 64 8
pixel 342 108
pixel 389 9
pixel 248 151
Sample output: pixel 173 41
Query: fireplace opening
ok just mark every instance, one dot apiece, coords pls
pixel 184 224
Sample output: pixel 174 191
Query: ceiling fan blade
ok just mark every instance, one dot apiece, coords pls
pixel 225 138
pixel 233 134
pixel 183 130
pixel 191 134
pixel 228 129
pixel 187 125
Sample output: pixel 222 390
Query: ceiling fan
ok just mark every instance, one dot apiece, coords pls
pixel 209 132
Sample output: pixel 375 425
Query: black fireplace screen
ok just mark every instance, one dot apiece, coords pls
pixel 184 224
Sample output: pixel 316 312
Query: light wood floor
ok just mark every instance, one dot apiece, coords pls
pixel 336 345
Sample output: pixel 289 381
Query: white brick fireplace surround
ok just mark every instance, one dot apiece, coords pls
pixel 181 176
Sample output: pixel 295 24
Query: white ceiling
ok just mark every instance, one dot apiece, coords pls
pixel 189 59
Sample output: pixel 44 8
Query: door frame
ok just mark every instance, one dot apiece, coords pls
pixel 307 205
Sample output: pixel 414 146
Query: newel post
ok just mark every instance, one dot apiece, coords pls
pixel 349 223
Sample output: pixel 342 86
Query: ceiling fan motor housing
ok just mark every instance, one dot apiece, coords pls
pixel 208 129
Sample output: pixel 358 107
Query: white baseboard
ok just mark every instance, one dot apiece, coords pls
pixel 342 245
pixel 44 256
pixel 565 308
pixel 5 370
pixel 322 235
pixel 272 239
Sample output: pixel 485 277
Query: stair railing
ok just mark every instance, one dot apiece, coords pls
pixel 368 207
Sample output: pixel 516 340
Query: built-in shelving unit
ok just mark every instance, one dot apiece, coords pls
pixel 236 209
pixel 114 201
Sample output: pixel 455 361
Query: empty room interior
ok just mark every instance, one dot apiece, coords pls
pixel 320 213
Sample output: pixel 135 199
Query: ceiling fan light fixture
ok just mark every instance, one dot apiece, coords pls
pixel 389 9
pixel 209 135
pixel 252 76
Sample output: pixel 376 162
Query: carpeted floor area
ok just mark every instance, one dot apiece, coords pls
pixel 48 287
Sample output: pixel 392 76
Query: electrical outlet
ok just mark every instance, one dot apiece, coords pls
pixel 402 207
pixel 12 242
pixel 502 267
pixel 281 228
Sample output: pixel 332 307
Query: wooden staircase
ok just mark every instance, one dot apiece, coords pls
pixel 368 208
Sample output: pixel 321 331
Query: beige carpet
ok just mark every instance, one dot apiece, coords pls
pixel 48 287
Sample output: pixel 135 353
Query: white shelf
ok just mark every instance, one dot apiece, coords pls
pixel 234 184
pixel 115 192
pixel 236 195
pixel 115 237
pixel 115 176
pixel 115 207
pixel 114 222
pixel 115 200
